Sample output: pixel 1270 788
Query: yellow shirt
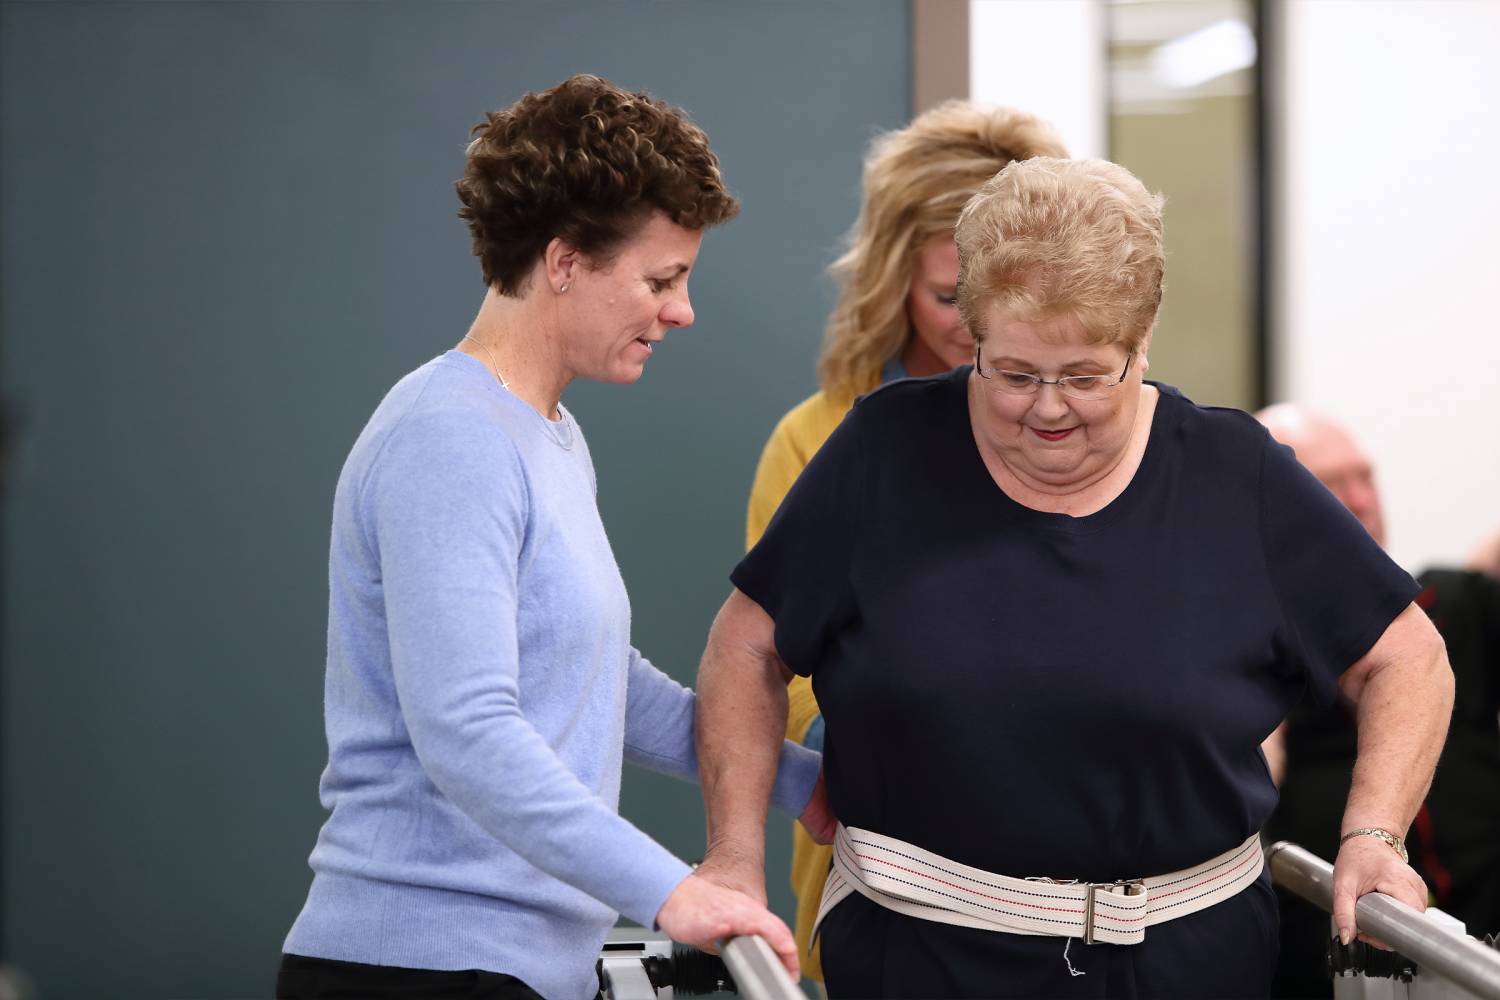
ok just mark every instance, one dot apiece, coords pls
pixel 792 445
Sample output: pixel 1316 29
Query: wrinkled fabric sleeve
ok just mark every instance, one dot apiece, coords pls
pixel 1336 588
pixel 448 505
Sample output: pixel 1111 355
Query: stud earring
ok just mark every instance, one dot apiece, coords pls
pixel 562 288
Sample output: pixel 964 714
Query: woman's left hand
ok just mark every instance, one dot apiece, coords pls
pixel 1364 865
pixel 701 912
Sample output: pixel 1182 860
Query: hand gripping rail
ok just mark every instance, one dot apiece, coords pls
pixel 1456 957
pixel 758 973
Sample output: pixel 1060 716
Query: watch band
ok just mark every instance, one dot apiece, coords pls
pixel 1394 842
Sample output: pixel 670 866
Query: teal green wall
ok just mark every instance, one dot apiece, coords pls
pixel 227 229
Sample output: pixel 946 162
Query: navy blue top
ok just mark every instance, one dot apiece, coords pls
pixel 1040 694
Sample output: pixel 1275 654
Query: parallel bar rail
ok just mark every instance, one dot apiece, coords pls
pixel 1455 957
pixel 758 973
pixel 1466 962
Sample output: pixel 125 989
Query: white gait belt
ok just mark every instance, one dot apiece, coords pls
pixel 921 884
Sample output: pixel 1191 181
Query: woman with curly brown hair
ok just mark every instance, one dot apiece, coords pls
pixel 481 687
pixel 896 316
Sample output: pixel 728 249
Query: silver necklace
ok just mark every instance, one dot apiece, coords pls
pixel 561 431
pixel 493 364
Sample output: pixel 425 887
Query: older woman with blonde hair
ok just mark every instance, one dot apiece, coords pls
pixel 1050 610
pixel 896 316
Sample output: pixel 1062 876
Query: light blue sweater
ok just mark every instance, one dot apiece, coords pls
pixel 480 695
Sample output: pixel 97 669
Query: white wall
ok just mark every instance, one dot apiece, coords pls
pixel 1387 251
pixel 1046 57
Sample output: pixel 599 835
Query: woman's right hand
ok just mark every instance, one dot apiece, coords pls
pixel 702 913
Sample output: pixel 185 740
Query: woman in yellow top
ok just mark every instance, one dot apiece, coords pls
pixel 896 316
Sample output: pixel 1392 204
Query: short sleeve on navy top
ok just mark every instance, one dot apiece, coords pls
pixel 799 572
pixel 1337 588
pixel 1038 694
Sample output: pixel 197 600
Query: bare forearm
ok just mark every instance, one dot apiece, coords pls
pixel 1403 713
pixel 742 709
pixel 1403 692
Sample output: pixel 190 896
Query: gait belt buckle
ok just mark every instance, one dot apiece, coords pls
pixel 1126 887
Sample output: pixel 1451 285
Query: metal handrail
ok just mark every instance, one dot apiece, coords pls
pixel 758 973
pixel 1456 957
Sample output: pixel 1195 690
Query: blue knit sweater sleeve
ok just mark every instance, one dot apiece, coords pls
pixel 447 508
pixel 659 736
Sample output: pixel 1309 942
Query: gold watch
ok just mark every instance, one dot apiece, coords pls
pixel 1394 842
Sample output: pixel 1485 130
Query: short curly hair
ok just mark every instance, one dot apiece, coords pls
pixel 588 163
pixel 1046 236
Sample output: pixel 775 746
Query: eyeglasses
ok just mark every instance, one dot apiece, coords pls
pixel 1076 386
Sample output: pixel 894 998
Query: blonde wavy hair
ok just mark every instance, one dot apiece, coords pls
pixel 916 182
pixel 1053 236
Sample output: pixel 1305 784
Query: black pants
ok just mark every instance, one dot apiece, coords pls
pixel 1227 951
pixel 1302 971
pixel 301 978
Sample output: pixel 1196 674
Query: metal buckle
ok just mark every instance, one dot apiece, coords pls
pixel 1132 887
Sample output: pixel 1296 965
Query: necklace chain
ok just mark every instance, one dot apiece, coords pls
pixel 493 363
pixel 563 439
